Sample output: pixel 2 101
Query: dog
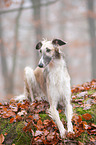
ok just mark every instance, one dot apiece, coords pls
pixel 51 80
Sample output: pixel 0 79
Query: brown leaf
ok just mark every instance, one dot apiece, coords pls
pixel 39 124
pixel 87 116
pixel 78 100
pixel 93 125
pixel 38 133
pixel 12 120
pixel 15 109
pixel 36 116
pixel 76 119
pixel 8 114
pixel 32 132
pixel 92 139
pixel 18 118
pixel 79 119
pixel 70 135
pixel 46 132
pixel 82 94
pixel 5 133
pixel 1 138
pixel 0 104
pixel 80 143
pixel 50 136
pixel 85 126
pixel 30 116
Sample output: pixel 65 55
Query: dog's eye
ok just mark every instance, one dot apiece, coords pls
pixel 48 50
pixel 40 51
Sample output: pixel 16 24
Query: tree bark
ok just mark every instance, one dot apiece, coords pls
pixel 92 31
pixel 37 25
pixel 15 51
pixel 37 19
pixel 3 58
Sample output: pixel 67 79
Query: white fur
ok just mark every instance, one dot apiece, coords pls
pixel 57 81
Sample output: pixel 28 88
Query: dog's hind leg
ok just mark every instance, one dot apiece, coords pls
pixel 29 82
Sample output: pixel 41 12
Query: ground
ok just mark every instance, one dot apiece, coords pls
pixel 28 123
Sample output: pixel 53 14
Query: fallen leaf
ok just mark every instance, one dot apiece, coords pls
pixel 92 139
pixel 23 112
pixel 80 143
pixel 38 133
pixel 12 120
pixel 46 132
pixel 5 133
pixel 1 138
pixel 82 94
pixel 93 125
pixel 87 116
pixel 79 119
pixel 39 124
pixel 50 136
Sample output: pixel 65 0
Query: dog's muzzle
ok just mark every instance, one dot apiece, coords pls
pixel 44 61
pixel 40 65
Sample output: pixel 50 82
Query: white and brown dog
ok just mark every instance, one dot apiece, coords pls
pixel 51 79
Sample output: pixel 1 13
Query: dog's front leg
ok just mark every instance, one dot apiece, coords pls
pixel 53 101
pixel 68 113
pixel 55 116
pixel 68 110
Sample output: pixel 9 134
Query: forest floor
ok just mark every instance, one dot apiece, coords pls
pixel 25 123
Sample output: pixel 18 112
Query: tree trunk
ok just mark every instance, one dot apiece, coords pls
pixel 3 59
pixel 92 31
pixel 15 50
pixel 9 76
pixel 37 24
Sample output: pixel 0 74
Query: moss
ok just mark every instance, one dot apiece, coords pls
pixel 84 138
pixel 44 116
pixel 91 111
pixel 15 133
pixel 5 126
pixel 22 137
pixel 91 92
pixel 62 116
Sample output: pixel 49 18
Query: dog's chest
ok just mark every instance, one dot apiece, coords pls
pixel 58 75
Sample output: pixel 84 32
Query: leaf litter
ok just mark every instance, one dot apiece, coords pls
pixel 46 131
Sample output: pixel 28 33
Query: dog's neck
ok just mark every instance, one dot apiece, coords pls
pixel 57 61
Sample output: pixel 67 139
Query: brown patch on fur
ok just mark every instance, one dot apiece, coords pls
pixel 57 54
pixel 38 72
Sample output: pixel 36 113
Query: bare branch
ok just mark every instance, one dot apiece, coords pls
pixel 26 8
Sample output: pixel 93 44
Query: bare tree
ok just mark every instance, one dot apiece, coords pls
pixel 37 23
pixel 3 59
pixel 37 19
pixel 92 34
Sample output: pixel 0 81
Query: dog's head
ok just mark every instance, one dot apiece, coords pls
pixel 49 50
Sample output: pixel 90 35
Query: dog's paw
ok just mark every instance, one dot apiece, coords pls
pixel 70 128
pixel 63 133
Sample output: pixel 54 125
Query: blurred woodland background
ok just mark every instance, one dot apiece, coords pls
pixel 25 22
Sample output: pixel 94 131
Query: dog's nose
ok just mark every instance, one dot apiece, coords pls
pixel 40 65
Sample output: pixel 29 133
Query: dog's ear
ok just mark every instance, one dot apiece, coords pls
pixel 58 42
pixel 39 45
